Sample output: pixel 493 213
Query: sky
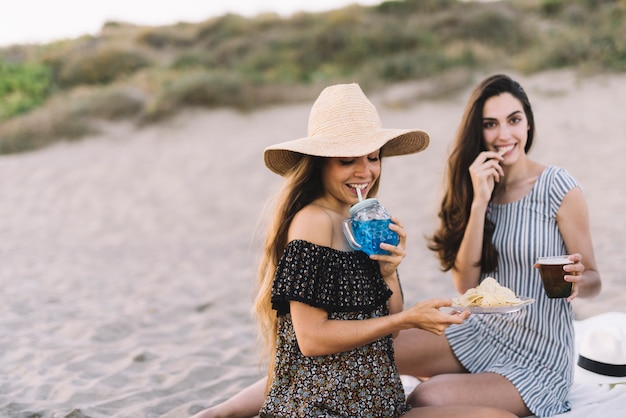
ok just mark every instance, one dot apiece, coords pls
pixel 42 21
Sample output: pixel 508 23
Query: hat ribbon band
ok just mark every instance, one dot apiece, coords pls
pixel 615 370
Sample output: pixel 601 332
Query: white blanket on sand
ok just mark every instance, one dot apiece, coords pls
pixel 588 400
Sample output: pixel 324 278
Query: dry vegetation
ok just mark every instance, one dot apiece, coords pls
pixel 145 74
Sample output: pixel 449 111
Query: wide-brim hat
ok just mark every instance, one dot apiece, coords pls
pixel 344 123
pixel 601 350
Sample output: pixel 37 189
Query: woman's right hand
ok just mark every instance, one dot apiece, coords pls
pixel 485 171
pixel 427 315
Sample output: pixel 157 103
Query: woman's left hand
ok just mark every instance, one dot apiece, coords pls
pixel 574 274
pixel 389 263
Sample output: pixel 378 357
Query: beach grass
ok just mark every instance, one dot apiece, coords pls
pixel 148 74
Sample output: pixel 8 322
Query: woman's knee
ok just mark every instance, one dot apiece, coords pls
pixel 428 393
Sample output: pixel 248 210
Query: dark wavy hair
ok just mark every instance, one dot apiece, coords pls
pixel 459 194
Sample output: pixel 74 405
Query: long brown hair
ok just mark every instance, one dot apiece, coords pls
pixel 459 193
pixel 303 184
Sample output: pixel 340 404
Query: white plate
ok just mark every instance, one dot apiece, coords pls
pixel 495 309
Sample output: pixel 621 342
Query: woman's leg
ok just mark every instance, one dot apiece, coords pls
pixel 465 389
pixel 458 412
pixel 429 357
pixel 414 351
pixel 245 404
pixel 423 354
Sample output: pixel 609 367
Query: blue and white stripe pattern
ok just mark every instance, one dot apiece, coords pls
pixel 533 347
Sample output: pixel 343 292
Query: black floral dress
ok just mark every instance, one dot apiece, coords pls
pixel 363 382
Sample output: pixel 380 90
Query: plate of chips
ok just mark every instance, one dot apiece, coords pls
pixel 494 309
pixel 490 297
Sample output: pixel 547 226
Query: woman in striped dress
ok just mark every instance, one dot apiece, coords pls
pixel 501 211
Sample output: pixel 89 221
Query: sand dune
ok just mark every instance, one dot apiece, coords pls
pixel 128 259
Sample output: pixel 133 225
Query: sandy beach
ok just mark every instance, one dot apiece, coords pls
pixel 128 259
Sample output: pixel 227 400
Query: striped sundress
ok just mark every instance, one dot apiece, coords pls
pixel 533 348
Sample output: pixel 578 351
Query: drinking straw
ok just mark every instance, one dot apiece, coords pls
pixel 358 192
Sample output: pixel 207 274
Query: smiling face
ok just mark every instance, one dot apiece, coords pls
pixel 343 176
pixel 505 126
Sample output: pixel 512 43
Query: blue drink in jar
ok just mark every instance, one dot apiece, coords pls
pixel 368 227
pixel 370 234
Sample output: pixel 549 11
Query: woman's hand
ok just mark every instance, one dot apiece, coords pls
pixel 485 171
pixel 575 274
pixel 427 315
pixel 389 263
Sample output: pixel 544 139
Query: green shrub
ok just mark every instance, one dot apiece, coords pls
pixel 178 36
pixel 500 26
pixel 189 60
pixel 552 7
pixel 199 89
pixel 422 64
pixel 100 66
pixel 608 51
pixel 40 128
pixel 407 6
pixel 154 72
pixel 22 87
pixel 225 27
pixel 110 103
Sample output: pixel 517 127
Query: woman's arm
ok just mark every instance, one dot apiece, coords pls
pixel 573 221
pixel 317 335
pixel 485 172
pixel 466 271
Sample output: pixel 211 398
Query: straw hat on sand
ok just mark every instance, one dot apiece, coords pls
pixel 344 123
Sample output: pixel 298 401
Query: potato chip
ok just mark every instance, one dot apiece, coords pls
pixel 488 293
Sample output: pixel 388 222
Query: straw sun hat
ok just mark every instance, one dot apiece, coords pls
pixel 344 123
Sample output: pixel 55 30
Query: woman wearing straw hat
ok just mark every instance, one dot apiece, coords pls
pixel 328 313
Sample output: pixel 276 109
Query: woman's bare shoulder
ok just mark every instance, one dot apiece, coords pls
pixel 314 224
